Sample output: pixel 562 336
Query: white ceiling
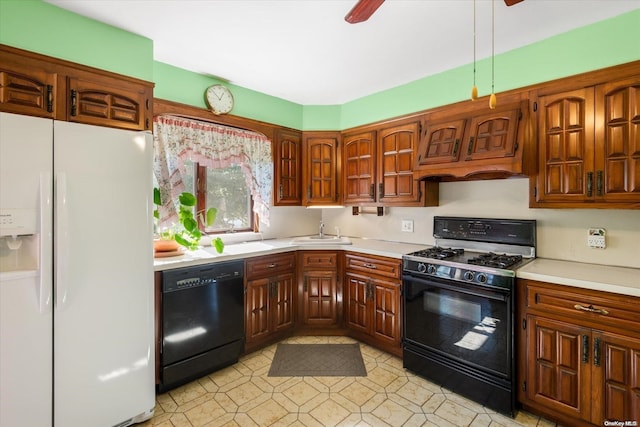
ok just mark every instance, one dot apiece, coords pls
pixel 303 50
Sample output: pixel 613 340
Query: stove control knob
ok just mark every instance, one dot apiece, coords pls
pixel 482 278
pixel 422 268
pixel 431 269
pixel 468 275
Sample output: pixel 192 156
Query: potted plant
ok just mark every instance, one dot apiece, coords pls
pixel 188 234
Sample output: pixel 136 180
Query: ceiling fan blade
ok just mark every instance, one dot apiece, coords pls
pixel 363 11
pixel 512 2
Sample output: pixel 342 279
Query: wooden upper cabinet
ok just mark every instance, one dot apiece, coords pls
pixel 288 168
pixel 441 142
pixel 29 86
pixel 493 135
pixel 359 166
pixel 589 147
pixel 378 167
pixel 107 101
pixel 617 157
pixel 396 184
pixel 461 142
pixel 38 85
pixel 565 146
pixel 322 165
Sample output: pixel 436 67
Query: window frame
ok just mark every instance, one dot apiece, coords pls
pixel 200 190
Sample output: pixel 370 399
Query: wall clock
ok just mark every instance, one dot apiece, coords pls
pixel 219 99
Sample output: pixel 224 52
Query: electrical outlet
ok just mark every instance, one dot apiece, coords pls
pixel 597 238
pixel 407 225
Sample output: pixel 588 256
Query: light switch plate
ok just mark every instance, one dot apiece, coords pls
pixel 407 225
pixel 597 238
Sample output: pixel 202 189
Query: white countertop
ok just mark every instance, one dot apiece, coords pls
pixel 620 280
pixel 273 246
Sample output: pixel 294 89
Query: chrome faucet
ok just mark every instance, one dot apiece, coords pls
pixel 321 229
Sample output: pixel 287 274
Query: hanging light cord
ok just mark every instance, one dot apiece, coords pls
pixel 493 36
pixel 474 89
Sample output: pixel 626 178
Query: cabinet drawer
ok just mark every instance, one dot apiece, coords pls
pixel 270 265
pixel 595 307
pixel 370 264
pixel 319 259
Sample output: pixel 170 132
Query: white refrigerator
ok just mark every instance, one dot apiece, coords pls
pixel 76 274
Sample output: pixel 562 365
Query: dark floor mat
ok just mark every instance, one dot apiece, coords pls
pixel 317 360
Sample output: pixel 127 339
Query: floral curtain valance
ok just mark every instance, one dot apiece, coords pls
pixel 177 139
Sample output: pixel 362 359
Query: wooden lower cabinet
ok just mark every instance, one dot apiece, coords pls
pixel 580 354
pixel 373 300
pixel 319 290
pixel 269 299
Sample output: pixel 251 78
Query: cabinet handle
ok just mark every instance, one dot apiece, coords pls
pixel 585 349
pixel 372 191
pixel 74 102
pixel 591 309
pixel 49 99
pixel 599 183
pixel 455 148
pixel 470 149
pixel 281 191
pixel 589 184
pixel 380 191
pixel 272 265
pixel 596 351
pixel 369 265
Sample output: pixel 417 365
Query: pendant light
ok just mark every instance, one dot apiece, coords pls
pixel 474 89
pixel 492 98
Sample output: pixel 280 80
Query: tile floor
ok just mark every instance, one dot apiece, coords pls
pixel 243 395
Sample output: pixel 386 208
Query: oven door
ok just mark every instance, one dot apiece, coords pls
pixel 466 322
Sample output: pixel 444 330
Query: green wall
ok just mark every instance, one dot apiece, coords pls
pixel 606 43
pixel 70 36
pixel 40 27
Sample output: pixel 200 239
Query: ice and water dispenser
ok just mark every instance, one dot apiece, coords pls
pixel 19 240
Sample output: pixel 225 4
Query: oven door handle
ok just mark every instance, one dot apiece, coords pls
pixel 497 295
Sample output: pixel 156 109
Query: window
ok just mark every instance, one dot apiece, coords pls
pixel 225 189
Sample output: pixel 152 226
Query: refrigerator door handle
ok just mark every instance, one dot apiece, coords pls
pixel 62 241
pixel 45 259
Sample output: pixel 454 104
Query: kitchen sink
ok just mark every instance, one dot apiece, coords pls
pixel 321 240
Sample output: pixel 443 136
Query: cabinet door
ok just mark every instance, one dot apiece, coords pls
pixel 616 378
pixel 321 162
pixel 257 310
pixel 492 135
pixel 359 166
pixel 617 142
pixel 559 374
pixel 319 301
pixel 28 86
pixel 105 101
pixel 288 168
pixel 282 302
pixel 357 299
pixel 397 146
pixel 565 147
pixel 440 142
pixel 385 305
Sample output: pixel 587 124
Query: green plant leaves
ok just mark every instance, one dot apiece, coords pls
pixel 218 244
pixel 211 216
pixel 187 199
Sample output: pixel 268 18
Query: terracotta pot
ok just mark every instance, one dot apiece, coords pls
pixel 160 245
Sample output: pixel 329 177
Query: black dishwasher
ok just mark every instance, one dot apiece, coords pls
pixel 202 321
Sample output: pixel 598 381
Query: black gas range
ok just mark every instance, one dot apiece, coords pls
pixel 459 309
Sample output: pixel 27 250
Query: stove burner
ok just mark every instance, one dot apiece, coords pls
pixel 495 260
pixel 438 252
